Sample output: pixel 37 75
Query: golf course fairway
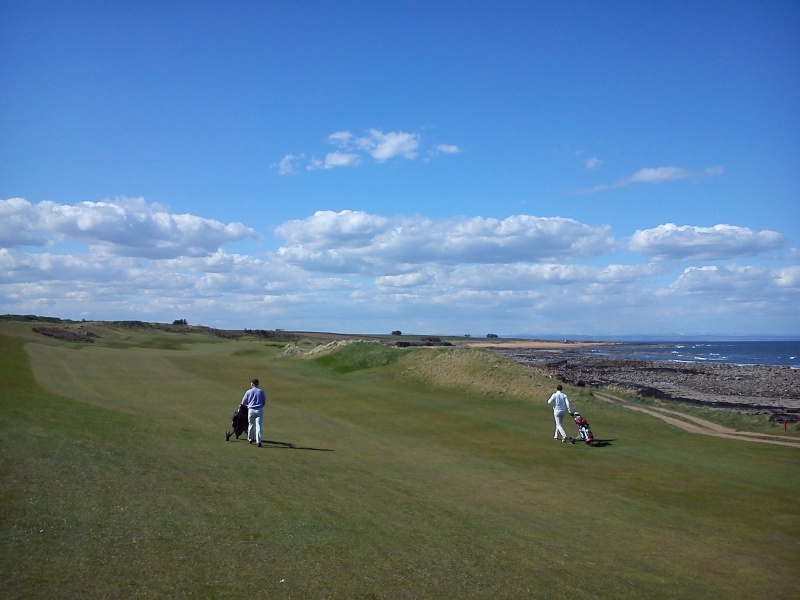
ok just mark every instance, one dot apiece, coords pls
pixel 385 473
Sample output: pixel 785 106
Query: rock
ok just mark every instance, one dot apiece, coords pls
pixel 774 389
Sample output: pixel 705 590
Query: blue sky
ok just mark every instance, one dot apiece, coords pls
pixel 446 168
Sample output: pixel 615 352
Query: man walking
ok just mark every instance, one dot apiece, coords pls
pixel 254 399
pixel 561 405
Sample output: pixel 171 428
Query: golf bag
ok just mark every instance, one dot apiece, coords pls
pixel 584 433
pixel 239 422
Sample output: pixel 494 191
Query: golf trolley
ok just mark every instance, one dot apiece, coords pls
pixel 584 433
pixel 239 423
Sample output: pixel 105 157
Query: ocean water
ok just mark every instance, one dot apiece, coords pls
pixel 783 353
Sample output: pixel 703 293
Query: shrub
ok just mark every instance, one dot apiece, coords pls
pixel 64 334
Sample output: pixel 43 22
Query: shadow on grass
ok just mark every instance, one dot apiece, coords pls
pixel 288 446
pixel 601 443
pixel 596 443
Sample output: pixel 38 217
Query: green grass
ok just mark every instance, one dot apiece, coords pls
pixel 425 473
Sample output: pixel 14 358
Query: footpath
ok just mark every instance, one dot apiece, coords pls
pixel 697 425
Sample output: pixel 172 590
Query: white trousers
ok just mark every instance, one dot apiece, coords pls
pixel 254 417
pixel 559 416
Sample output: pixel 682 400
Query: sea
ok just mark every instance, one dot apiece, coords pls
pixel 781 353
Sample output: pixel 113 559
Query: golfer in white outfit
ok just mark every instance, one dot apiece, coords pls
pixel 561 405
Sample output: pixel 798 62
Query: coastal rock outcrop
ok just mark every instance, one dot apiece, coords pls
pixel 749 388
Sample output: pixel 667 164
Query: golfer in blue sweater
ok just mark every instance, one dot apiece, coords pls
pixel 254 399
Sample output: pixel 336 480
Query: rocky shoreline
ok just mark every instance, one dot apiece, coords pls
pixel 752 389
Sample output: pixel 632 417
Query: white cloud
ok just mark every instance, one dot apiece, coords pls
pixel 20 267
pixel 326 228
pixel 286 166
pixel 738 284
pixel 532 277
pixel 407 280
pixel 375 146
pixel 19 224
pixel 593 163
pixel 788 277
pixel 685 242
pixel 357 242
pixel 654 175
pixel 385 146
pixel 341 138
pixel 126 227
pixel 335 159
pixel 361 272
pixel 445 149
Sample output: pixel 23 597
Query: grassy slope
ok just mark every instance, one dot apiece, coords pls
pixel 117 482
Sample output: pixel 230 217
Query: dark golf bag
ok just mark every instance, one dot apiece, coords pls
pixel 584 433
pixel 239 422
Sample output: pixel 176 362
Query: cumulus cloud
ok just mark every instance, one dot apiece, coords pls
pixel 358 242
pixel 735 283
pixel 720 242
pixel 357 271
pixel 326 228
pixel 385 146
pixel 406 280
pixel 19 224
pixel 126 227
pixel 654 175
pixel 374 146
pixel 379 145
pixel 19 267
pixel 532 277
pixel 788 277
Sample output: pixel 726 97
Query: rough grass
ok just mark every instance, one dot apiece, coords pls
pixel 398 474
pixel 475 371
pixel 359 356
